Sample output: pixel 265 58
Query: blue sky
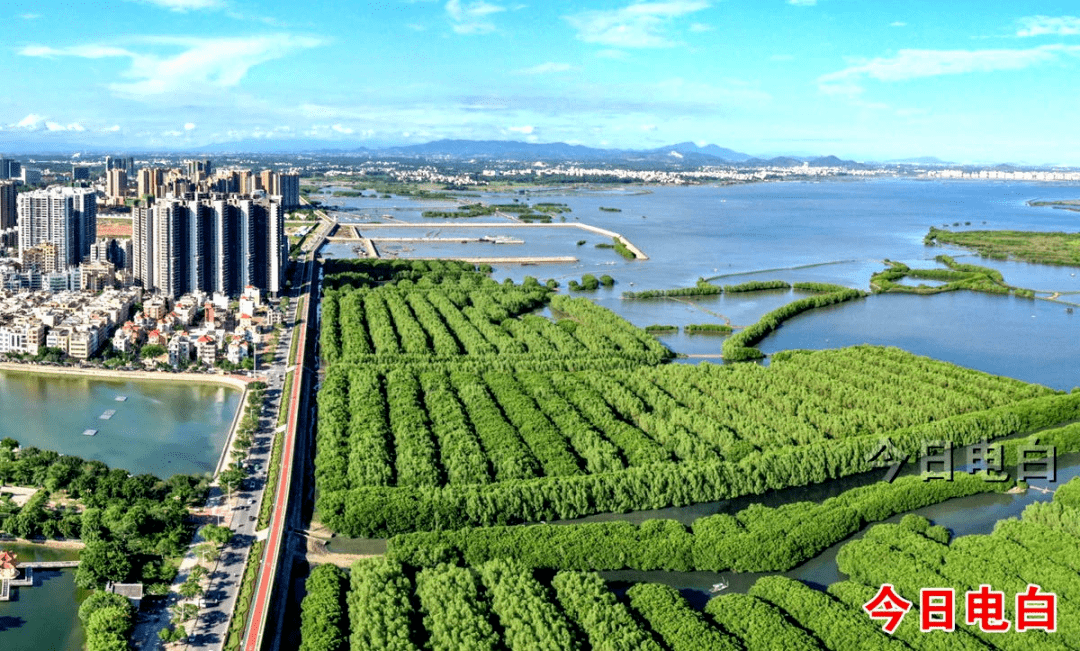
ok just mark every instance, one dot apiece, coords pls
pixel 982 81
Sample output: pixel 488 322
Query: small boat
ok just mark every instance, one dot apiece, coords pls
pixel 719 587
pixel 107 414
pixel 89 432
pixel 121 398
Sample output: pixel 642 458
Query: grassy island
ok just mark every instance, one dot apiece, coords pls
pixel 955 276
pixel 1043 248
pixel 707 329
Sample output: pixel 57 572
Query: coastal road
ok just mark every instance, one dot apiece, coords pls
pixel 241 515
pixel 268 569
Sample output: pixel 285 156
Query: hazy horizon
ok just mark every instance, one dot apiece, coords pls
pixel 965 82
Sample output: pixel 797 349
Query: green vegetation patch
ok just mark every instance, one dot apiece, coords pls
pixel 707 329
pixel 955 276
pixel 661 329
pixel 756 286
pixel 1029 246
pixel 448 405
pixel 623 250
pixel 756 539
pixel 448 603
pixel 701 288
pixel 541 212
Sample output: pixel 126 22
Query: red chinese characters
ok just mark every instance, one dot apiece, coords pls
pixel 887 604
pixel 936 609
pixel 985 608
pixel 1036 610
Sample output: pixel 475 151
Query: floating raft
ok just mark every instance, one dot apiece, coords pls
pixel 89 432
pixel 107 414
pixel 121 398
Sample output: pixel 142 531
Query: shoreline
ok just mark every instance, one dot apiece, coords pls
pixel 46 544
pixel 233 381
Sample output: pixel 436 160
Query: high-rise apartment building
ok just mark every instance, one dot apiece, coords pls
pixel 217 244
pixel 66 217
pixel 198 170
pixel 80 173
pixel 268 182
pixel 10 169
pixel 9 214
pixel 142 244
pixel 116 186
pixel 150 181
pixel 289 190
pixel 127 164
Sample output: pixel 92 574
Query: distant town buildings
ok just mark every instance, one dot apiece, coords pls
pixel 1005 175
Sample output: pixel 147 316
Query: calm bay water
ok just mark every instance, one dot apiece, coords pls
pixel 162 428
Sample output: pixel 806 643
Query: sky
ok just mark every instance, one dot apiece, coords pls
pixel 979 82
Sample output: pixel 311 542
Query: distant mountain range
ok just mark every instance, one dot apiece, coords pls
pixel 681 154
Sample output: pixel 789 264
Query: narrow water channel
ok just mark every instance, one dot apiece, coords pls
pixel 962 516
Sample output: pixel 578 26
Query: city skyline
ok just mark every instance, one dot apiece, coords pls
pixel 965 82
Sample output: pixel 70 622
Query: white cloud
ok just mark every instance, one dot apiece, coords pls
pixel 897 23
pixel 701 27
pixel 56 126
pixel 203 63
pixel 189 126
pixel 340 129
pixel 29 122
pixel 1044 25
pixel 30 16
pixel 641 24
pixel 914 64
pixel 82 51
pixel 114 128
pixel 649 127
pixel 545 68
pixel 185 5
pixel 802 3
pixel 172 134
pixel 472 17
pixel 527 129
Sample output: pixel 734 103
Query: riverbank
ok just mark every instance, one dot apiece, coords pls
pixel 233 381
pixel 227 451
pixel 44 544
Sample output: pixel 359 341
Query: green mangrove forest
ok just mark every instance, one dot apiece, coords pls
pixel 506 603
pixel 456 421
pixel 1030 246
